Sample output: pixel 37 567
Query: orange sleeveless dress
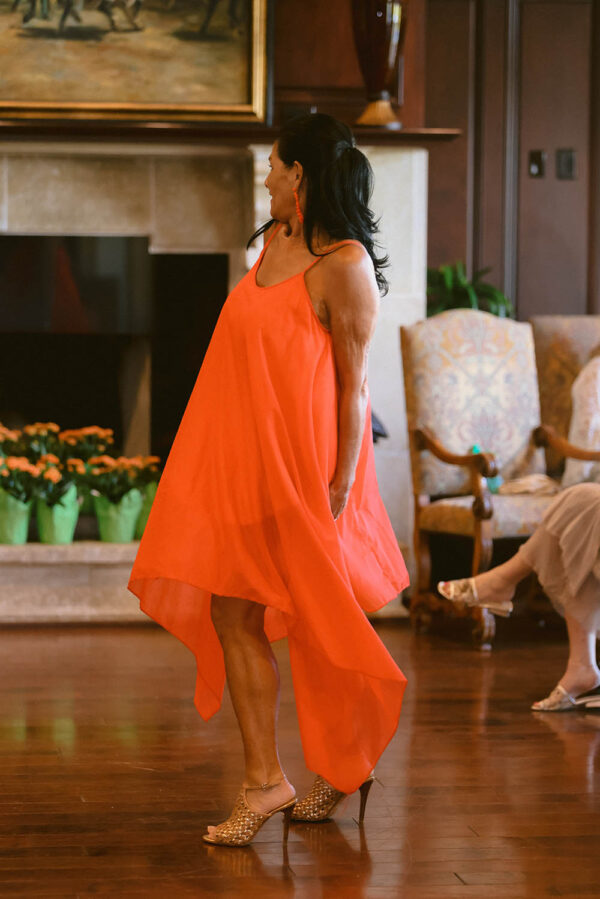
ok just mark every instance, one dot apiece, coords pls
pixel 242 509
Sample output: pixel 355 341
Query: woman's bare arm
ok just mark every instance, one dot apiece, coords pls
pixel 352 299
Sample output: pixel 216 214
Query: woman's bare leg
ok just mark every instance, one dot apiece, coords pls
pixel 582 669
pixel 253 680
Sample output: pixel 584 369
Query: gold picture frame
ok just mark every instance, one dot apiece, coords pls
pixel 233 55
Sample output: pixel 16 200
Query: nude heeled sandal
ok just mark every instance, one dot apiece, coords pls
pixel 322 799
pixel 464 591
pixel 562 701
pixel 243 823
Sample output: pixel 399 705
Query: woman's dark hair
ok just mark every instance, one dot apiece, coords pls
pixel 339 183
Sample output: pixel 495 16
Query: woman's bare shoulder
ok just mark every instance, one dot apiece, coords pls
pixel 349 262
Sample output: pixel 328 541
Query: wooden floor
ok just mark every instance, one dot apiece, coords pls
pixel 109 778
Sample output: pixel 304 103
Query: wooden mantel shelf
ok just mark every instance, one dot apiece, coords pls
pixel 175 132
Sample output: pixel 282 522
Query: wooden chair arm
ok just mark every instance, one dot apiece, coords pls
pixel 481 463
pixel 546 435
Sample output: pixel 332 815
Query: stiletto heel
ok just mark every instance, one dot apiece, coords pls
pixel 322 800
pixel 364 795
pixel 287 817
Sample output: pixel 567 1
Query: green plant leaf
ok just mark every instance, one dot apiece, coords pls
pixel 461 275
pixel 448 276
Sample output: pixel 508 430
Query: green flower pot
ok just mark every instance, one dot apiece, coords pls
pixel 148 494
pixel 117 521
pixel 56 524
pixel 14 518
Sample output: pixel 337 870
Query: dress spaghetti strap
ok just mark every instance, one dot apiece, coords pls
pixel 329 251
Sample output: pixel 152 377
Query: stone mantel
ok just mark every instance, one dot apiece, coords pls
pixel 208 197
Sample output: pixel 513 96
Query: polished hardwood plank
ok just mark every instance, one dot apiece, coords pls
pixel 109 778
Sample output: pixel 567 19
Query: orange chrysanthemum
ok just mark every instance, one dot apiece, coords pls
pixel 20 463
pixel 7 434
pixel 76 465
pixel 50 459
pixel 108 461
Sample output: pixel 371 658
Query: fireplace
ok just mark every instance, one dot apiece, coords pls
pixel 78 312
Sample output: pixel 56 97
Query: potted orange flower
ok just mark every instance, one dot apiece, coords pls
pixel 39 439
pixel 11 442
pixel 117 500
pixel 18 481
pixel 86 443
pixel 57 503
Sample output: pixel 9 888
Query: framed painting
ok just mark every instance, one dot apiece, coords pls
pixel 140 60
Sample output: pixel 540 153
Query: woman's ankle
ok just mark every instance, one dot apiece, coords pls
pixel 579 678
pixel 258 777
pixel 494 585
pixel 266 797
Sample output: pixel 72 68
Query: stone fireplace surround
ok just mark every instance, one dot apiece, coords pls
pixel 204 198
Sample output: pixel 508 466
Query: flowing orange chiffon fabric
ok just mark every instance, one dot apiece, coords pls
pixel 242 509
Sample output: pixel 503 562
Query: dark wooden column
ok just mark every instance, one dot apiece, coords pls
pixel 450 78
pixel 594 253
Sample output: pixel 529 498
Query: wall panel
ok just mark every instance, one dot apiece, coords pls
pixel 554 113
pixel 450 61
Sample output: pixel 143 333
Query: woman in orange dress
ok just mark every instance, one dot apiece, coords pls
pixel 268 521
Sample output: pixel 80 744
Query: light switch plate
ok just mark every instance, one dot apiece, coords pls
pixel 565 165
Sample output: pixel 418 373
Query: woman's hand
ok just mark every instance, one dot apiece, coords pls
pixel 338 498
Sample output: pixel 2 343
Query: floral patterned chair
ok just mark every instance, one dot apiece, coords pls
pixel 563 344
pixel 470 378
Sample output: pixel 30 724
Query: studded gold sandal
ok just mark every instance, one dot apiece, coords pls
pixel 322 799
pixel 243 823
pixel 465 591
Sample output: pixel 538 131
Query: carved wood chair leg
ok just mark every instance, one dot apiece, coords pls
pixel 483 546
pixel 483 629
pixel 420 613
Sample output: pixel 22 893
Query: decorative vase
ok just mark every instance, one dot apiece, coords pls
pixel 14 518
pixel 148 494
pixel 379 27
pixel 56 524
pixel 116 521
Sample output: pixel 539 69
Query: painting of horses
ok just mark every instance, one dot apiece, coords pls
pixel 139 59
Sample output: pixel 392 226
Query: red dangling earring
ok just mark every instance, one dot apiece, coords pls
pixel 298 210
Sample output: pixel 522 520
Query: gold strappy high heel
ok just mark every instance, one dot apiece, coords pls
pixel 322 799
pixel 243 823
pixel 465 591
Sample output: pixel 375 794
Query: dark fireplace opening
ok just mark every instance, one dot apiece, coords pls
pixel 189 292
pixel 70 379
pixel 94 328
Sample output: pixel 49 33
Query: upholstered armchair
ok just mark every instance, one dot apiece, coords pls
pixel 563 344
pixel 470 379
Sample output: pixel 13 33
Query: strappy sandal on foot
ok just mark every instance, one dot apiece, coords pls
pixel 464 591
pixel 243 823
pixel 322 800
pixel 562 701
